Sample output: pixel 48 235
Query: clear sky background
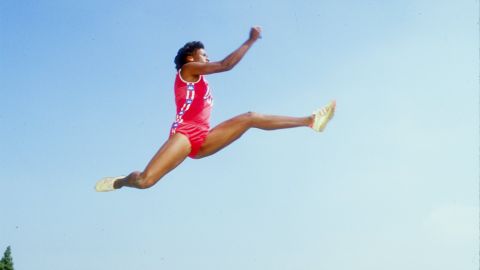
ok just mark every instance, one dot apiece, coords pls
pixel 86 91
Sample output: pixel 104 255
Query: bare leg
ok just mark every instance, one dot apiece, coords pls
pixel 170 155
pixel 230 130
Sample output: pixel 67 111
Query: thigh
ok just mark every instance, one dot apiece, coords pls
pixel 224 134
pixel 169 156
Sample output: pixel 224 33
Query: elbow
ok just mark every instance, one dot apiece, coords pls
pixel 228 68
pixel 227 65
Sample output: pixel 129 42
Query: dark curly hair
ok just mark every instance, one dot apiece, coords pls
pixel 187 50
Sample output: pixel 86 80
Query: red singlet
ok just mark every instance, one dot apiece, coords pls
pixel 194 103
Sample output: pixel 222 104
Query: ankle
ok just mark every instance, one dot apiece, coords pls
pixel 310 120
pixel 118 184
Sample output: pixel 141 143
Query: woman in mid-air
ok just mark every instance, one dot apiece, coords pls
pixel 190 134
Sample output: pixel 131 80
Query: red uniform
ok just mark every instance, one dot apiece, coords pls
pixel 194 103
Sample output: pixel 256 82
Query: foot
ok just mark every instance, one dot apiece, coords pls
pixel 106 184
pixel 322 116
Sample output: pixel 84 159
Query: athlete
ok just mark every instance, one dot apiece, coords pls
pixel 190 134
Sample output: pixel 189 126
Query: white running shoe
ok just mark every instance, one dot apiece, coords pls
pixel 106 184
pixel 322 116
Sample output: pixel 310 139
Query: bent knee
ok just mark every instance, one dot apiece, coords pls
pixel 250 117
pixel 144 181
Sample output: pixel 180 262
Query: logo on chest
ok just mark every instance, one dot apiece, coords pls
pixel 208 96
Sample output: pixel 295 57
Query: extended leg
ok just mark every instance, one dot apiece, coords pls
pixel 230 130
pixel 169 156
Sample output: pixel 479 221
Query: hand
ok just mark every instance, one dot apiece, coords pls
pixel 255 33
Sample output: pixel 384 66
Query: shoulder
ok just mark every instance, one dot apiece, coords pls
pixel 186 74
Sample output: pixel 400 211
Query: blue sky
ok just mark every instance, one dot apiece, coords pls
pixel 87 91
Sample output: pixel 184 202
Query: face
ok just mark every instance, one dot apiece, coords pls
pixel 199 56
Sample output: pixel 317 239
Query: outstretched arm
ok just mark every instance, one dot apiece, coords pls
pixel 198 68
